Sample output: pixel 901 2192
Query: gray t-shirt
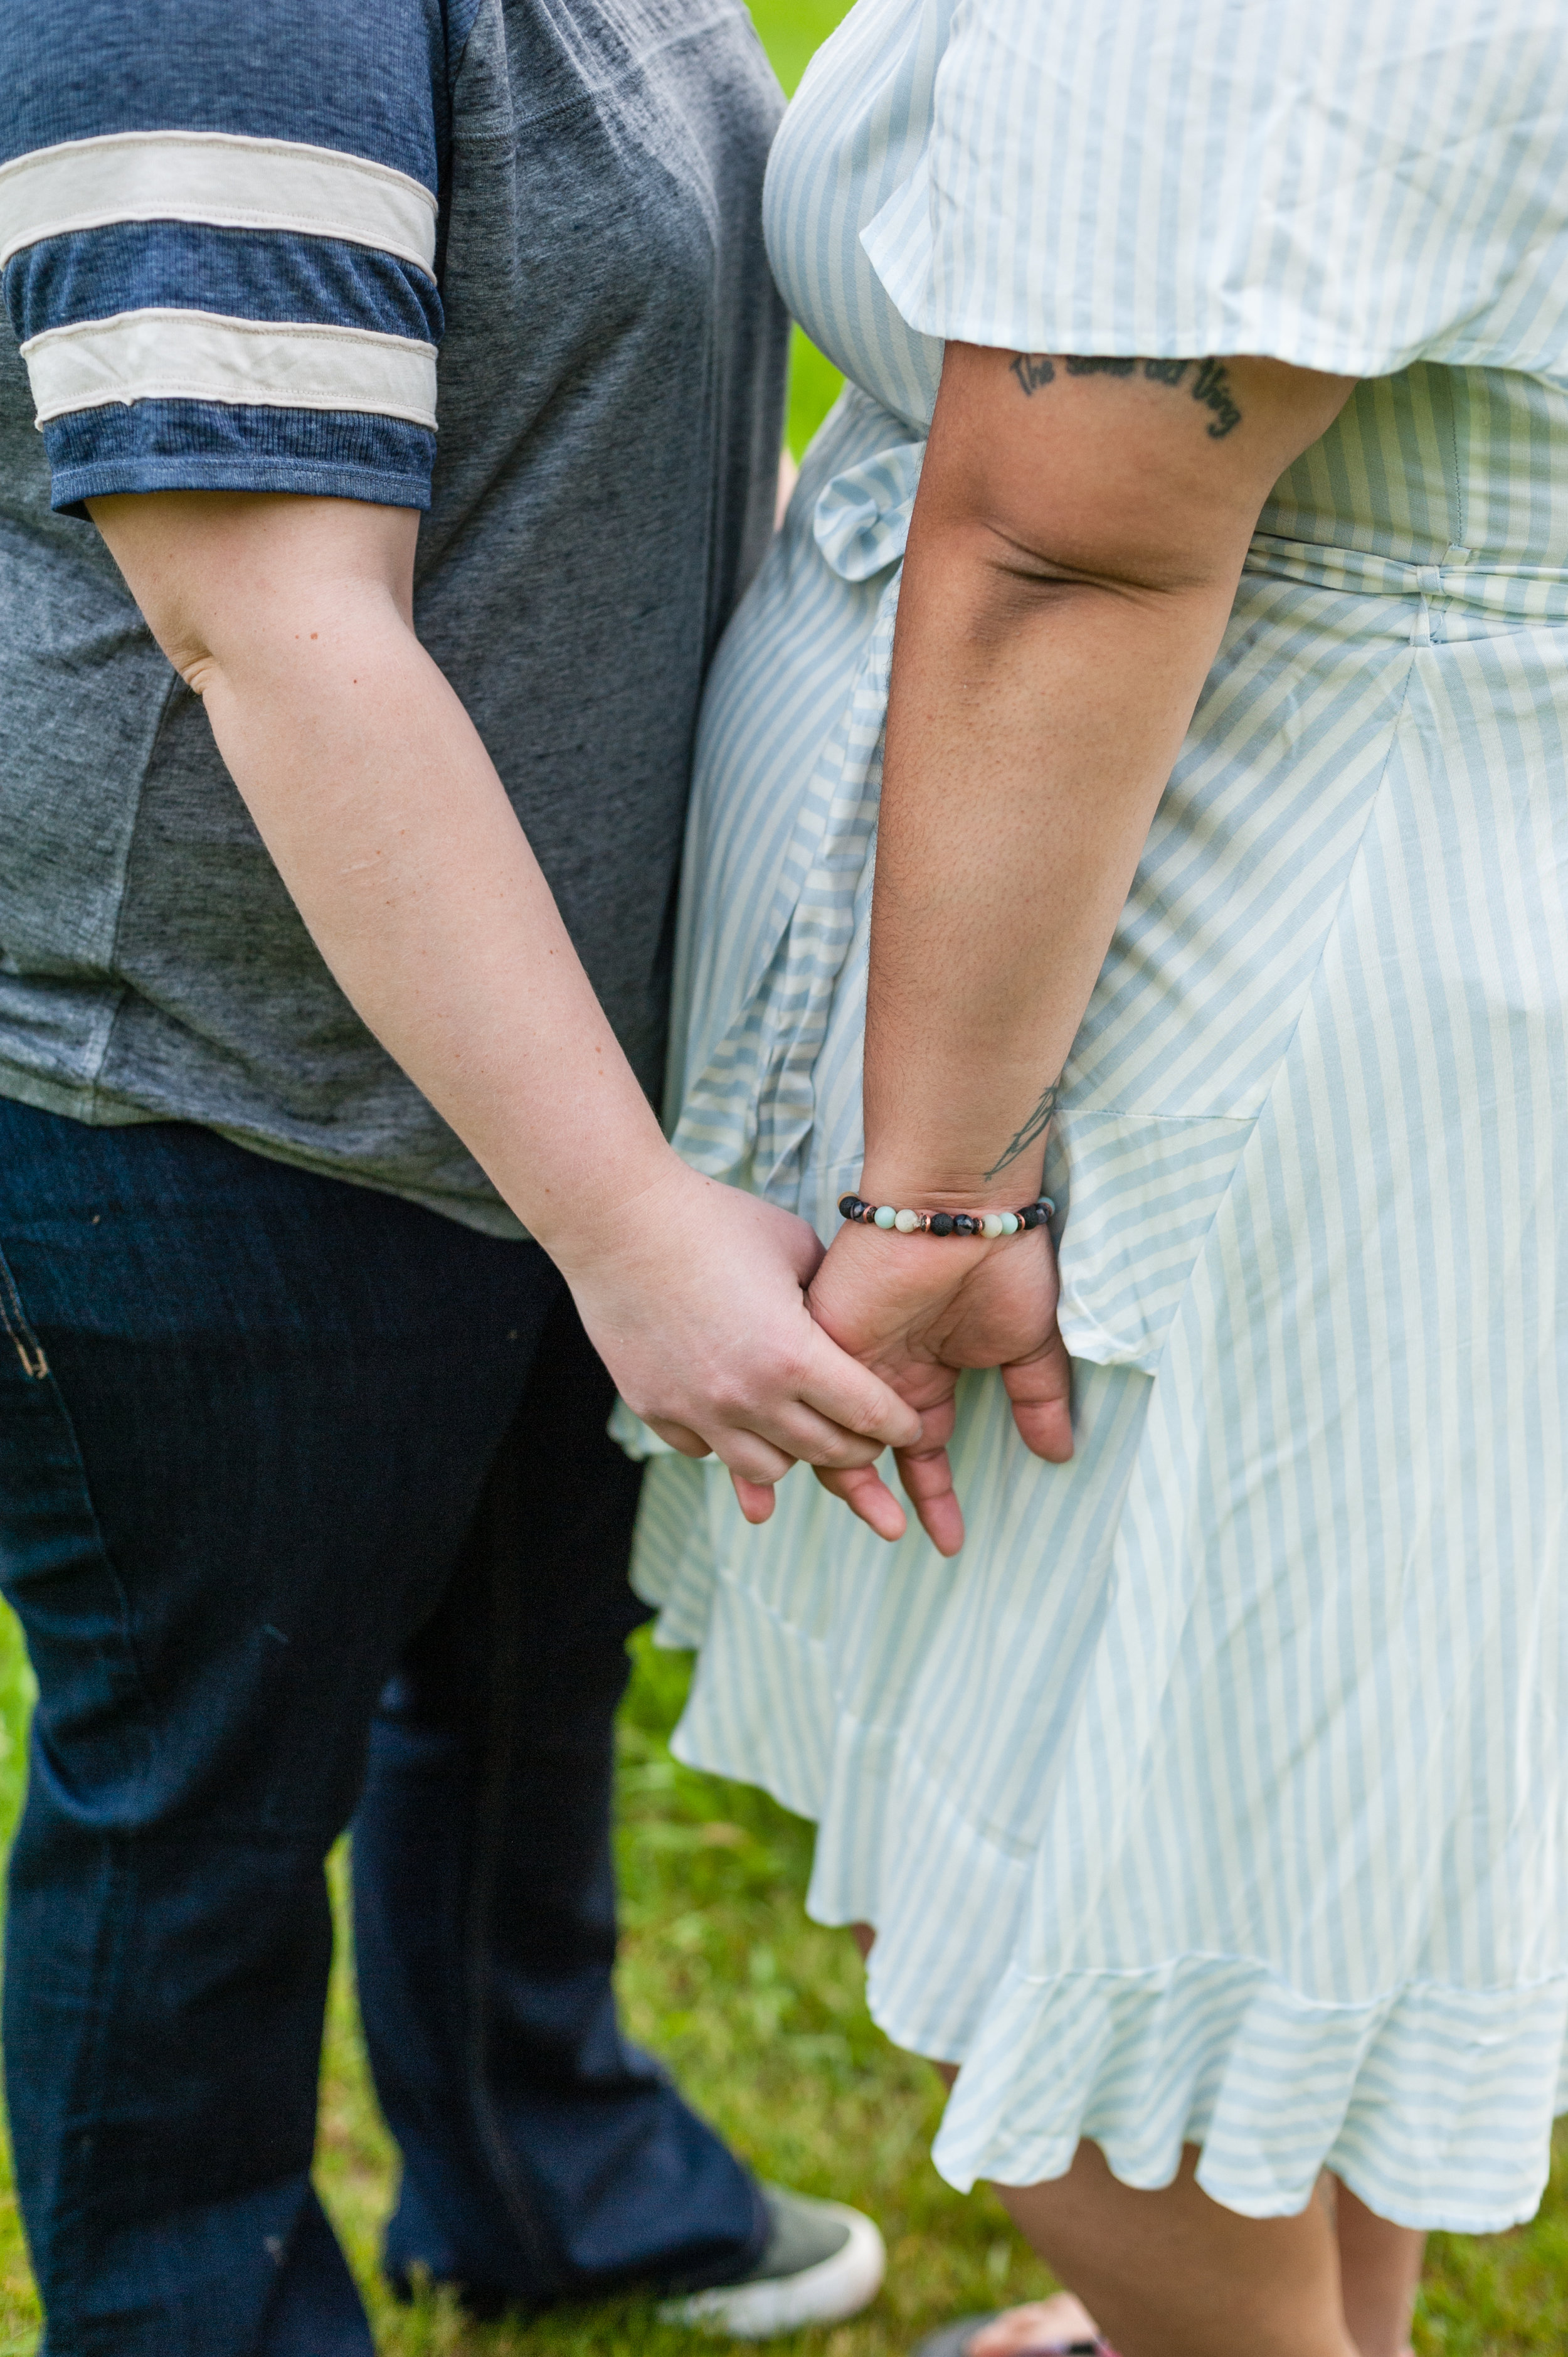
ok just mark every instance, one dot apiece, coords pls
pixel 239 233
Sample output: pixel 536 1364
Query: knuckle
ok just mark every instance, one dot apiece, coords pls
pixel 730 1397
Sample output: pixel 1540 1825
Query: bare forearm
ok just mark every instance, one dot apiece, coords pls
pixel 389 824
pixel 1031 730
pixel 1076 544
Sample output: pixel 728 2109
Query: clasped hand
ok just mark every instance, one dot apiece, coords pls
pixel 866 1359
pixel 917 1310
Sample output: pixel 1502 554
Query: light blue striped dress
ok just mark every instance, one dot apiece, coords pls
pixel 1216 1793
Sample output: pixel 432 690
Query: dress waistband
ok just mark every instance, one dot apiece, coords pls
pixel 1459 583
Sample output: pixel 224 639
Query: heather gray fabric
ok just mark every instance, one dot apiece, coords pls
pixel 610 388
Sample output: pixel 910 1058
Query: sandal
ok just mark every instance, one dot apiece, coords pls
pixel 953 2340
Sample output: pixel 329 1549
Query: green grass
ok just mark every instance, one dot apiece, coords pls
pixel 759 2011
pixel 792 30
pixel 813 388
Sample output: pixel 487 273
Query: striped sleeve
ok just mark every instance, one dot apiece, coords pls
pixel 1351 187
pixel 217 234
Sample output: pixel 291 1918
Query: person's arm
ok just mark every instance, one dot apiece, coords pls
pixel 291 617
pixel 1073 556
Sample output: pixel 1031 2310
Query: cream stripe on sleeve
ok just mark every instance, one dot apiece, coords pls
pixel 186 355
pixel 218 179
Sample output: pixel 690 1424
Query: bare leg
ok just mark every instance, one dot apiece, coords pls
pixel 1172 2274
pixel 1188 2276
pixel 1380 2267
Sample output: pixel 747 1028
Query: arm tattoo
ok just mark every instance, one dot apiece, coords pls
pixel 1032 368
pixel 1033 1129
pixel 1210 387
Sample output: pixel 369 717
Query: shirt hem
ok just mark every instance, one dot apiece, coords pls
pixel 99 1109
pixel 377 487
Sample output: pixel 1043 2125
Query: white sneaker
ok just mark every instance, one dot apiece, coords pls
pixel 821 2262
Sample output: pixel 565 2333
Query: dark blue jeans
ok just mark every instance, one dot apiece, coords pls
pixel 306 1508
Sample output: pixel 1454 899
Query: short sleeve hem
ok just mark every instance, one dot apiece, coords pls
pixel 1167 179
pixel 170 445
pixel 379 487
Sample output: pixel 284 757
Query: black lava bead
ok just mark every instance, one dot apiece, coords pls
pixel 942 1223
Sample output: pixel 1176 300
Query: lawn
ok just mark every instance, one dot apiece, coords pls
pixel 760 2012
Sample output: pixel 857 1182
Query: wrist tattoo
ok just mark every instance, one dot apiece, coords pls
pixel 1209 386
pixel 1033 1129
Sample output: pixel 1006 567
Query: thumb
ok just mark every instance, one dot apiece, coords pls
pixel 1040 1388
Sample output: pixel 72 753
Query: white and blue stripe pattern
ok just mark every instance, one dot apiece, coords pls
pixel 1080 156
pixel 226 307
pixel 1218 1791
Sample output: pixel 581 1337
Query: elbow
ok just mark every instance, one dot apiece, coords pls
pixel 249 588
pixel 1040 566
pixel 265 647
pixel 193 647
pixel 160 563
pixel 186 645
pixel 1038 541
pixel 1000 578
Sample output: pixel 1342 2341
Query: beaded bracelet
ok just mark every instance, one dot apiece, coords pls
pixel 948 1224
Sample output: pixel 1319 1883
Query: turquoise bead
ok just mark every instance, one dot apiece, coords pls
pixel 884 1215
pixel 1009 1224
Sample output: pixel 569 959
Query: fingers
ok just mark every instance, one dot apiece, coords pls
pixel 849 1394
pixel 678 1436
pixel 747 1456
pixel 791 1434
pixel 755 1499
pixel 866 1493
pixel 814 1440
pixel 756 1459
pixel 927 1477
pixel 1040 1388
pixel 927 1480
pixel 834 1414
pixel 843 1461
